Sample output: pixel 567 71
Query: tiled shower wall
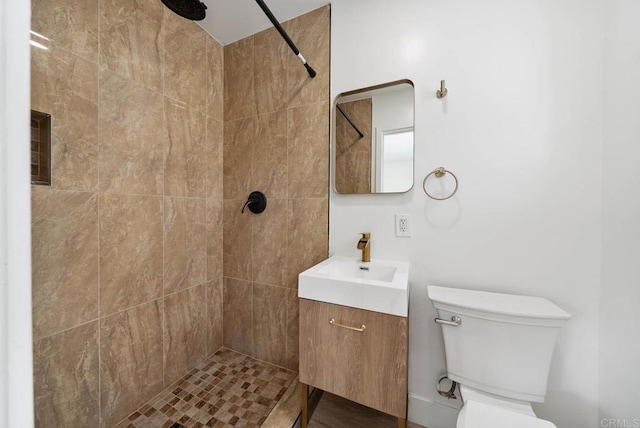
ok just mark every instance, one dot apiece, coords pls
pixel 127 242
pixel 276 140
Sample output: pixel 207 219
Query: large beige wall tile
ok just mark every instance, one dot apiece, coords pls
pixel 184 332
pixel 57 73
pixel 312 36
pixel 66 86
pixel 70 24
pixel 293 330
pixel 308 236
pixel 130 360
pixel 130 251
pixel 215 79
pixel 238 315
pixel 131 40
pixel 65 373
pixel 237 240
pixel 64 259
pixel 185 145
pixel 308 151
pixel 215 292
pixel 269 155
pixel 353 173
pixel 185 61
pixel 215 158
pixel 269 244
pixel 270 62
pixel 215 249
pixel 269 323
pixel 185 243
pixel 239 137
pixel 130 130
pixel 239 80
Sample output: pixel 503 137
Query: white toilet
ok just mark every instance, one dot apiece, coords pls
pixel 498 348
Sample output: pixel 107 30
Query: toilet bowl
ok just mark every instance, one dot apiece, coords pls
pixel 484 410
pixel 476 414
pixel 469 394
pixel 498 348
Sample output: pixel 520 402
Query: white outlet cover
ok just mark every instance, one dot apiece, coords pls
pixel 403 225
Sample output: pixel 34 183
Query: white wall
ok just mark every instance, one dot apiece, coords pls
pixel 522 129
pixel 620 317
pixel 16 386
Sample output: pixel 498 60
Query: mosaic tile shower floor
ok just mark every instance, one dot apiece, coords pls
pixel 227 389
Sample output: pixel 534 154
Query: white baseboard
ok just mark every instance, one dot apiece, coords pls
pixel 430 414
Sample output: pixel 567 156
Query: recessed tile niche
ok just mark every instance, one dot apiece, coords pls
pixel 40 148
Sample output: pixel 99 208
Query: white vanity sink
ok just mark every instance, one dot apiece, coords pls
pixel 379 285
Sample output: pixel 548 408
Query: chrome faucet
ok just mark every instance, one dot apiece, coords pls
pixel 365 246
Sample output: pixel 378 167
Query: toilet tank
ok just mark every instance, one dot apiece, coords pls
pixel 504 342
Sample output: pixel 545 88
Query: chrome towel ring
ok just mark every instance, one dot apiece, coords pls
pixel 439 173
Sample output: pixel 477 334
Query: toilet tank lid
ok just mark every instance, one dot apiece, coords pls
pixel 497 303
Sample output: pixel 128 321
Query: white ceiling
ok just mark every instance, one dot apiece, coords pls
pixel 231 20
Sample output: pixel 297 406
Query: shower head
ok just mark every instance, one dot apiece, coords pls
pixel 190 9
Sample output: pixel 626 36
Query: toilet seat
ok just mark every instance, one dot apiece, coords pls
pixel 475 414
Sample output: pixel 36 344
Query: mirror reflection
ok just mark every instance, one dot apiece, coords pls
pixel 373 139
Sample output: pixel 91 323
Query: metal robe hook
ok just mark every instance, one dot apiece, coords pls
pixel 442 92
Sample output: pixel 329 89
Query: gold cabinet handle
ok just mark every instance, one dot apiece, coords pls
pixel 333 322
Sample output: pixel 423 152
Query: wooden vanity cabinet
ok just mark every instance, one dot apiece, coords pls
pixel 368 366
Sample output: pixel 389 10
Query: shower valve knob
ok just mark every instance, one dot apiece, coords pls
pixel 257 202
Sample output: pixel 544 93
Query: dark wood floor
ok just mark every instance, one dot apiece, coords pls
pixel 336 412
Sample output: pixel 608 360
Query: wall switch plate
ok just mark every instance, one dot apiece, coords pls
pixel 403 224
